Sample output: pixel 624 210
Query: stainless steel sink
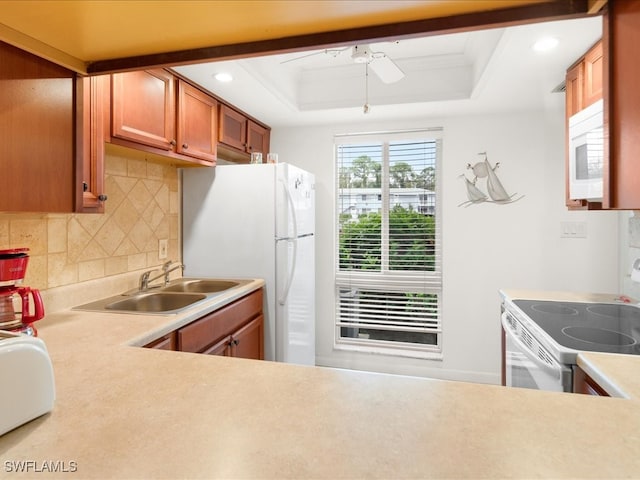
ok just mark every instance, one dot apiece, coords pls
pixel 150 302
pixel 201 285
pixel 179 295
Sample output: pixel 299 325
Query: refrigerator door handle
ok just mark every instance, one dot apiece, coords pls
pixel 285 293
pixel 292 268
pixel 292 208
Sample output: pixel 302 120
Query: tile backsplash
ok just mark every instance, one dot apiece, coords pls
pixel 143 207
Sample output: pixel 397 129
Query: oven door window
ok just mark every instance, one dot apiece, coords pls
pixel 528 365
pixel 523 373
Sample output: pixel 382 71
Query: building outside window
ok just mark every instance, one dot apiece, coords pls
pixel 388 272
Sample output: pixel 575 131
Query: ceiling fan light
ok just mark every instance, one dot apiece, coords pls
pixel 360 54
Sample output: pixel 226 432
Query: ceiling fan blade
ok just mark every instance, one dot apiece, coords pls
pixel 302 56
pixel 386 69
pixel 334 52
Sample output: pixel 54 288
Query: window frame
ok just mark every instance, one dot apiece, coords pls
pixel 381 279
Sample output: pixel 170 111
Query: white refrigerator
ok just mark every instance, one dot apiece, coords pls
pixel 257 221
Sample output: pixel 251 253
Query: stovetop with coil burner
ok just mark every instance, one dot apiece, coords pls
pixel 596 327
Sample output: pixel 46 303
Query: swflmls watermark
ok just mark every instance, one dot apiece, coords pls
pixel 40 466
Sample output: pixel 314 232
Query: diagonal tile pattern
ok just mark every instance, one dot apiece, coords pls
pixel 142 208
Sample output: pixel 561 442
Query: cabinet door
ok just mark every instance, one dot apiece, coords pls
pixel 257 139
pixel 168 342
pixel 573 90
pixel 222 348
pixel 621 37
pixel 573 103
pixel 143 108
pixel 92 114
pixel 593 74
pixel 197 123
pixel 583 383
pixel 199 335
pixel 233 128
pixel 248 342
pixel 37 118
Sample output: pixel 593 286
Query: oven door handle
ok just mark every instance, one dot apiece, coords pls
pixel 555 369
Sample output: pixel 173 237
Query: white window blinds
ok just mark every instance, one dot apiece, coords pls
pixel 388 275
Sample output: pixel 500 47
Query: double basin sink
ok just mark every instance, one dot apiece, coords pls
pixel 175 297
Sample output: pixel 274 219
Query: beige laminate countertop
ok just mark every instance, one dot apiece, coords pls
pixel 128 412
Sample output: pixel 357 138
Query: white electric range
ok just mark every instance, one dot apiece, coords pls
pixel 543 338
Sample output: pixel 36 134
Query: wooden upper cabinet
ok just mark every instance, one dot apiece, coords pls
pixel 37 133
pixel 258 139
pixel 233 128
pixel 242 134
pixel 621 36
pixel 593 75
pixel 584 86
pixel 93 117
pixel 143 108
pixel 574 96
pixel 197 123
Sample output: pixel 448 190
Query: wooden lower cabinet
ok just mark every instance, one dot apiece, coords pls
pixel 168 342
pixel 583 383
pixel 236 330
pixel 248 342
pixel 222 348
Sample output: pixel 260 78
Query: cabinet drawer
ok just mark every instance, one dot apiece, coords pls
pixel 198 335
pixel 168 342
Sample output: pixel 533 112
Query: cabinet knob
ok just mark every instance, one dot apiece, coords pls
pixel 102 197
pixel 236 342
pixel 85 187
pixel 173 142
pixel 185 145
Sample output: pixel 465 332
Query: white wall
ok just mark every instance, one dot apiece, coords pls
pixel 486 247
pixel 629 222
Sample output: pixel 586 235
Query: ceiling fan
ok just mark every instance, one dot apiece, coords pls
pixel 385 68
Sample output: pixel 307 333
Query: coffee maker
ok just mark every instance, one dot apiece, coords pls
pixel 20 306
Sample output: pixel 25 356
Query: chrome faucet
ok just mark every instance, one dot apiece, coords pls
pixel 166 270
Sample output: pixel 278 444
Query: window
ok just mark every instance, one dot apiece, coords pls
pixel 388 272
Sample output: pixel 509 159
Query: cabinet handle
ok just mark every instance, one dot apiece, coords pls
pixel 173 142
pixel 102 197
pixel 85 187
pixel 185 145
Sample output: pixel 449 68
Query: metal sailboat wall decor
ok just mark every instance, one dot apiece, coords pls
pixel 495 192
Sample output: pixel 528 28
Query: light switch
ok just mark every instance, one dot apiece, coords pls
pixel 573 229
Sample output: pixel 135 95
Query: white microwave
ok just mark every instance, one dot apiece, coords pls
pixel 586 153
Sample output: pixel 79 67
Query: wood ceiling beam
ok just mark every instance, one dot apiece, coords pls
pixel 547 11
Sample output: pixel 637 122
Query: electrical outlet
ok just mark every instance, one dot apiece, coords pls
pixel 163 247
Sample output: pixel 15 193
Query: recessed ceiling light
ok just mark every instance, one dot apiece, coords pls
pixel 223 77
pixel 545 44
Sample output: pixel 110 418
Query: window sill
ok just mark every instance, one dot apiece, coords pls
pixel 391 352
